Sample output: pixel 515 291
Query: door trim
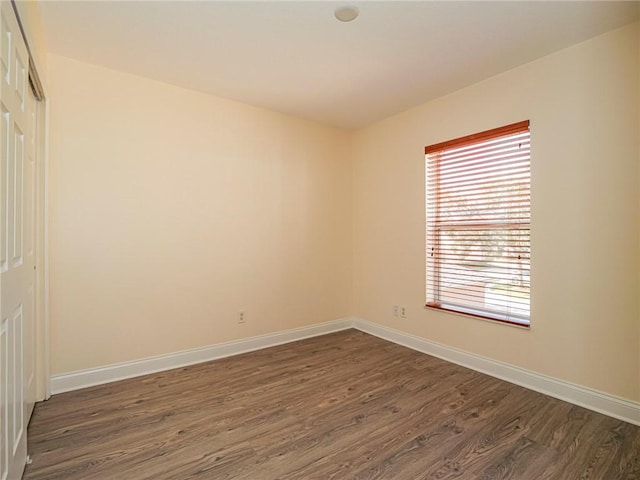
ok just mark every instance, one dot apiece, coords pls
pixel 43 367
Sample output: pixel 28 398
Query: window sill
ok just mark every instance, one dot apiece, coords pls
pixel 503 319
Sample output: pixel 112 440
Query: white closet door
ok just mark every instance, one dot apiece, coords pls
pixel 17 276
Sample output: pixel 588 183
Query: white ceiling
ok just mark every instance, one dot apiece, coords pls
pixel 296 58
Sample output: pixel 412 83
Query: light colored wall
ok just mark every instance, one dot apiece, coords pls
pixel 172 210
pixel 583 103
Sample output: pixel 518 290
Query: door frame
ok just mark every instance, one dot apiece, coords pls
pixel 43 367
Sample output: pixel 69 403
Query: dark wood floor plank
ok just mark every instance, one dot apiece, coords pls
pixel 496 427
pixel 609 443
pixel 430 414
pixel 626 464
pixel 526 459
pixel 341 406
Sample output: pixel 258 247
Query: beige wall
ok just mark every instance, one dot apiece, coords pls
pixel 583 103
pixel 172 210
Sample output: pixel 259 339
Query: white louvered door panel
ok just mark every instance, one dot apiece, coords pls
pixel 17 276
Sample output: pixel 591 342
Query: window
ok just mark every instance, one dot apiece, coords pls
pixel 478 224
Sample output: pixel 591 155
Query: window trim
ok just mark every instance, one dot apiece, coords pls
pixel 478 137
pixel 514 128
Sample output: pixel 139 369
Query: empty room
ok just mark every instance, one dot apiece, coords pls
pixel 263 240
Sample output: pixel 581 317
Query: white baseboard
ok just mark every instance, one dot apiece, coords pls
pixel 120 371
pixel 585 397
pixel 592 399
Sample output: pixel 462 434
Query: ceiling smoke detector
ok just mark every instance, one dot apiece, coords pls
pixel 347 13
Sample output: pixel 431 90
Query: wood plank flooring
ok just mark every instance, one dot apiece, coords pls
pixel 341 406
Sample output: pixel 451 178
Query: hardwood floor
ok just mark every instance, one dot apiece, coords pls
pixel 341 406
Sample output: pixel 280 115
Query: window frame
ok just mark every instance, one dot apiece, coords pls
pixel 434 280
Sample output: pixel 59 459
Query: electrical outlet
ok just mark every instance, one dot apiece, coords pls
pixel 403 311
pixel 242 317
pixel 396 310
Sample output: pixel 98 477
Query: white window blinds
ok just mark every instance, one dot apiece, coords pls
pixel 478 224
